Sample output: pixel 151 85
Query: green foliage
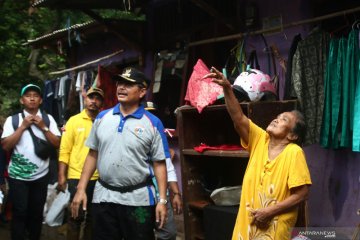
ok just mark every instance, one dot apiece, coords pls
pixel 17 26
pixel 116 14
pixel 19 23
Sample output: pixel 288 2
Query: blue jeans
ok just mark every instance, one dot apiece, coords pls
pixel 28 199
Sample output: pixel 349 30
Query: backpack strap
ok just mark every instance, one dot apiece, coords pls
pixel 15 119
pixel 45 118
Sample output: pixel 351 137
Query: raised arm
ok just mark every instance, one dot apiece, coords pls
pixel 241 122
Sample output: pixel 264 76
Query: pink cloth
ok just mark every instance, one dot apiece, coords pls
pixel 227 147
pixel 201 92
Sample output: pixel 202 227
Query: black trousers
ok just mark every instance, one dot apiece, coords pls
pixel 28 200
pixel 115 222
pixel 74 225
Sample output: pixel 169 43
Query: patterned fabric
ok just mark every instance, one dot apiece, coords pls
pixel 267 183
pixel 308 71
pixel 201 92
pixel 288 74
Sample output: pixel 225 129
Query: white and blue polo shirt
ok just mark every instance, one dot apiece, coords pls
pixel 126 147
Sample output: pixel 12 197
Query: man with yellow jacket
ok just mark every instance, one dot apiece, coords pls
pixel 72 157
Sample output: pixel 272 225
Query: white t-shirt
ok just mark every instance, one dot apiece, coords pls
pixel 25 164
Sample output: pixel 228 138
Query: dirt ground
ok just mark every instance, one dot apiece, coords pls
pixel 48 233
pixel 52 233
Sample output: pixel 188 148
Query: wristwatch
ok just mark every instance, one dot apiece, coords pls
pixel 162 201
pixel 45 129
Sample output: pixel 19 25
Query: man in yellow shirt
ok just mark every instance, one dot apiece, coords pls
pixel 72 157
pixel 277 178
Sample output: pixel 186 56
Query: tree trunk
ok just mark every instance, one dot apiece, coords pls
pixel 33 69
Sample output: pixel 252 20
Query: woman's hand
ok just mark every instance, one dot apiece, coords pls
pixel 261 218
pixel 218 77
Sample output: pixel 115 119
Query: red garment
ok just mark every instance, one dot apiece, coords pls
pixel 227 147
pixel 201 92
pixel 106 83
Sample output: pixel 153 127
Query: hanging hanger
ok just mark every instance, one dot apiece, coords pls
pixel 282 62
pixel 356 24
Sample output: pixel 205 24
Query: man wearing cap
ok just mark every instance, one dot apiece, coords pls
pixel 126 142
pixel 72 157
pixel 28 174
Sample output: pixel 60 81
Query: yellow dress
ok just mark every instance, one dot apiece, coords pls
pixel 266 183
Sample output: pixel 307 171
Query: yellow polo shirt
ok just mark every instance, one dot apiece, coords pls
pixel 72 148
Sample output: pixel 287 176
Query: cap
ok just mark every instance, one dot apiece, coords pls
pixel 150 106
pixel 28 87
pixel 95 90
pixel 133 75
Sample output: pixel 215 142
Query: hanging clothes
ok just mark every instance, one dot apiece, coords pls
pixel 201 92
pixel 293 47
pixel 63 91
pixel 105 82
pixel 72 105
pixel 333 85
pixel 48 96
pixel 79 88
pixel 356 109
pixel 351 73
pixel 308 71
pixel 340 87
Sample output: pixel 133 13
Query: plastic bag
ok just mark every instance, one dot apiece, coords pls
pixel 55 215
pixel 202 92
pixel 226 196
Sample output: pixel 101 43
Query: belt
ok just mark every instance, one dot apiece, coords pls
pixel 125 189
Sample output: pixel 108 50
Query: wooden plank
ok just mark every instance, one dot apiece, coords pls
pixel 201 204
pixel 217 153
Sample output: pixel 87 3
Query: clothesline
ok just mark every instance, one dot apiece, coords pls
pixel 278 28
pixel 86 64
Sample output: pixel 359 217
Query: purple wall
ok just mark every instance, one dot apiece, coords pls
pixel 335 194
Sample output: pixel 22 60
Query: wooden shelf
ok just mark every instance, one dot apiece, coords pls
pixel 187 108
pixel 198 204
pixel 217 153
